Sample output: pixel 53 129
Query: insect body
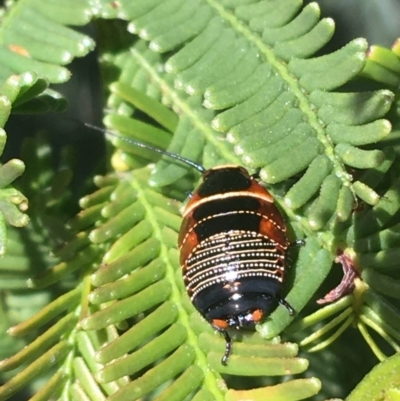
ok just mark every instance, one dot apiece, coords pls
pixel 233 248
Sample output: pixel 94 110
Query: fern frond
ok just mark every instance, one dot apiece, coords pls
pixel 281 118
pixel 383 378
pixel 243 78
pixel 13 203
pixel 34 39
pixel 372 241
pixel 28 254
pixel 138 281
pixel 272 106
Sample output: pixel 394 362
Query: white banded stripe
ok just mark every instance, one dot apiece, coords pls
pixel 229 256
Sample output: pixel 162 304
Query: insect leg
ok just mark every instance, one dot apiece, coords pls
pixel 286 304
pixel 228 347
pixel 228 344
pixel 298 242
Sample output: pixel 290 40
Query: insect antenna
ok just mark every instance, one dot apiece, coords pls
pixel 175 156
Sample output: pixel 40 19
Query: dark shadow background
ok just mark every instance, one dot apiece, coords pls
pixel 84 94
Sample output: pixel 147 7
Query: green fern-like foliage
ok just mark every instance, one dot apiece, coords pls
pixel 231 81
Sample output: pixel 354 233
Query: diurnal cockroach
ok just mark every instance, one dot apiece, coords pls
pixel 232 245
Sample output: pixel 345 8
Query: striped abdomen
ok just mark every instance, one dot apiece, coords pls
pixel 232 262
pixel 233 245
pixel 233 253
